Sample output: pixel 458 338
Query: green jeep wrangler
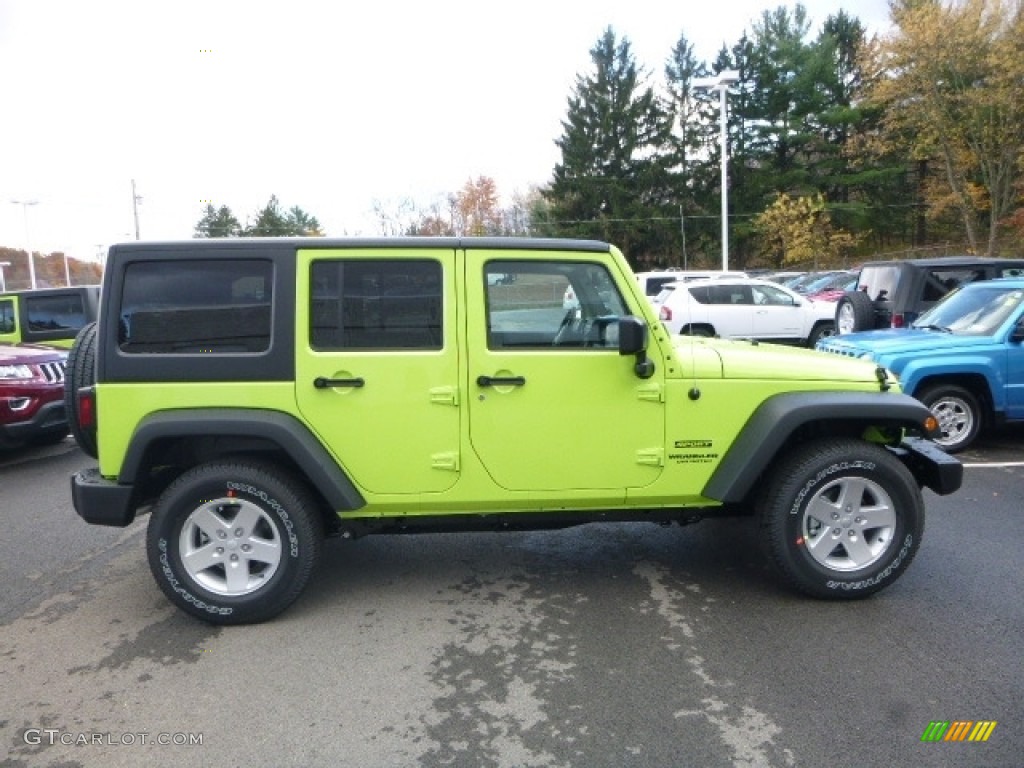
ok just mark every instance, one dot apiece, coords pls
pixel 47 316
pixel 255 396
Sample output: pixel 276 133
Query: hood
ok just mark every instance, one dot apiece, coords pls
pixel 898 341
pixel 758 360
pixel 28 354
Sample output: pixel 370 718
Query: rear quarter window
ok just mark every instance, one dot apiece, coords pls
pixel 55 313
pixel 200 306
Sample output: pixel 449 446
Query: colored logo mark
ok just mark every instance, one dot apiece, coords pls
pixel 958 730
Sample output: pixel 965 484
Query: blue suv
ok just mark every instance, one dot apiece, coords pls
pixel 963 358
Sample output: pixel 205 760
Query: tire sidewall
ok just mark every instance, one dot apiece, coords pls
pixel 815 578
pixel 184 496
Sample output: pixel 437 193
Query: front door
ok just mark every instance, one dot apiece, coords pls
pixel 552 404
pixel 377 373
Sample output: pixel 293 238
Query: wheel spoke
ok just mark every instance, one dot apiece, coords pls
pixel 881 516
pixel 821 546
pixel 208 521
pixel 200 559
pixel 851 494
pixel 858 550
pixel 247 518
pixel 823 510
pixel 263 550
pixel 237 575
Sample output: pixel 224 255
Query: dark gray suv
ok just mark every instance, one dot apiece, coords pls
pixel 892 294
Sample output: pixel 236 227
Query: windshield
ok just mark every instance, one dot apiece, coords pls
pixel 977 310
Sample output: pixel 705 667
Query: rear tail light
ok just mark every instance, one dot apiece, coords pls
pixel 665 314
pixel 86 408
pixel 897 321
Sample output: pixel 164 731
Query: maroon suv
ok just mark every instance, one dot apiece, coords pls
pixel 31 395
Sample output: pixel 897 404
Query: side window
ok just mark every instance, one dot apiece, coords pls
pixel 54 313
pixel 190 306
pixel 939 282
pixel 547 305
pixel 701 294
pixel 376 304
pixel 730 294
pixel 7 316
pixel 767 295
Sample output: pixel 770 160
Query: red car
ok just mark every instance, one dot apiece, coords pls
pixel 31 395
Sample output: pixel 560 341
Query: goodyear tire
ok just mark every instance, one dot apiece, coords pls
pixel 80 372
pixel 842 518
pixel 234 542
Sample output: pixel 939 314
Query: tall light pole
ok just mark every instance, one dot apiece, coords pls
pixel 28 241
pixel 3 280
pixel 720 83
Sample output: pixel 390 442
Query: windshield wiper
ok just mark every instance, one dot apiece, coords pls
pixel 940 328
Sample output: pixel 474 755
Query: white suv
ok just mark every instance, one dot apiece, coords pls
pixel 744 308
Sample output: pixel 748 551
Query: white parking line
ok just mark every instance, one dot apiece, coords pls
pixel 996 464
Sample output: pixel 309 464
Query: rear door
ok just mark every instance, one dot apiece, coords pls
pixel 553 407
pixel 377 372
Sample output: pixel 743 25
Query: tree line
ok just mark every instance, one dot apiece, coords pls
pixel 840 146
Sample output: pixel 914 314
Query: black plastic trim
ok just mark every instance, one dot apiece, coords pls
pixel 99 501
pixel 778 417
pixel 279 428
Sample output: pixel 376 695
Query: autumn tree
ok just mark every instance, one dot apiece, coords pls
pixel 477 208
pixel 954 98
pixel 799 231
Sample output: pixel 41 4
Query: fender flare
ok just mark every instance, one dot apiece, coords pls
pixel 282 429
pixel 778 417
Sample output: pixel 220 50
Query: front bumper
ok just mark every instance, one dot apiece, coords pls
pixel 48 418
pixel 100 501
pixel 932 466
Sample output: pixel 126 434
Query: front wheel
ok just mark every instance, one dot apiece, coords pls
pixel 841 518
pixel 958 413
pixel 234 542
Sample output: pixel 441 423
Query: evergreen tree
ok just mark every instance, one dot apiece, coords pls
pixel 217 222
pixel 612 181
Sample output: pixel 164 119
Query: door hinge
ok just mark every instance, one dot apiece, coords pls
pixel 444 395
pixel 652 392
pixel 651 457
pixel 447 461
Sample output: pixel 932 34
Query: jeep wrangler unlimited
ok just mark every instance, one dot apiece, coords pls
pixel 48 316
pixel 255 396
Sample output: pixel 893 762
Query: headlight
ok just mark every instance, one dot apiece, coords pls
pixel 15 372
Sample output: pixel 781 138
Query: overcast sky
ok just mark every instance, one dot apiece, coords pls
pixel 331 106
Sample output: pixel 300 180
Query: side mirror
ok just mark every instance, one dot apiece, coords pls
pixel 633 341
pixel 1017 334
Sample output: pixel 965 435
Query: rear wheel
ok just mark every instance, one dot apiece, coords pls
pixel 841 518
pixel 234 542
pixel 958 413
pixel 80 372
pixel 854 312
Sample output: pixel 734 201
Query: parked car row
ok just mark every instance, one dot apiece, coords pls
pixel 36 330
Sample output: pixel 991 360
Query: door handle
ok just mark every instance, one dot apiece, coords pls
pixel 322 382
pixel 500 381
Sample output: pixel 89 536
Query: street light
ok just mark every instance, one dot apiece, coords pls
pixel 28 243
pixel 3 280
pixel 720 83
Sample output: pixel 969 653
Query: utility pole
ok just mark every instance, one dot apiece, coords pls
pixel 682 229
pixel 136 199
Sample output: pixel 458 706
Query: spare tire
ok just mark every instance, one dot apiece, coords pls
pixel 855 312
pixel 80 372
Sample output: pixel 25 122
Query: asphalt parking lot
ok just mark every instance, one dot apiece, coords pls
pixel 604 645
